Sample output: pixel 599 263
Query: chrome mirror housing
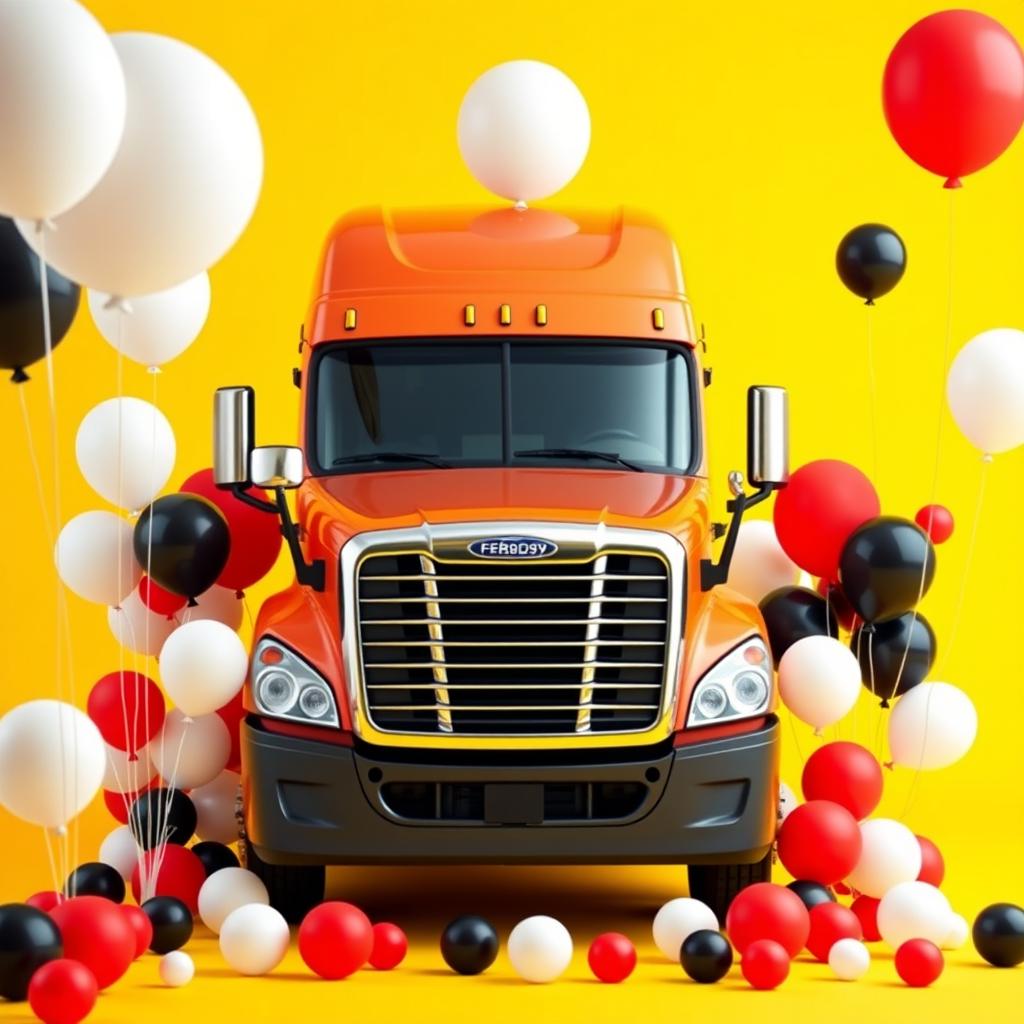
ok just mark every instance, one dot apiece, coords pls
pixel 276 466
pixel 767 436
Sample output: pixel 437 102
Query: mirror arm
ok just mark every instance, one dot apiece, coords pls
pixel 714 573
pixel 241 492
pixel 309 574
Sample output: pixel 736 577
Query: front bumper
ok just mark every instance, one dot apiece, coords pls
pixel 318 803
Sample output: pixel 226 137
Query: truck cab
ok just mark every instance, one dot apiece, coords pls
pixel 507 640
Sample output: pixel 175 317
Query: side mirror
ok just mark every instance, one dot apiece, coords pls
pixel 276 466
pixel 234 430
pixel 767 437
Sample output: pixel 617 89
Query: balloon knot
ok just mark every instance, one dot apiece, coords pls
pixel 59 831
pixel 19 376
pixel 818 732
pixel 118 302
pixel 520 204
pixel 953 182
pixel 887 764
pixel 153 369
pixel 239 594
pixel 987 457
pixel 869 302
pixel 193 603
pixel 44 223
pixel 884 703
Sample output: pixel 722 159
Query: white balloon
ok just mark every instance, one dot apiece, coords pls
pixel 985 390
pixel 788 802
pixel 914 910
pixel 182 186
pixel 137 628
pixel 227 890
pixel 142 435
pixel 932 726
pixel 176 968
pixel 254 938
pixel 190 752
pixel 849 959
pixel 51 762
pixel 127 773
pixel 215 808
pixel 759 565
pixel 524 129
pixel 219 604
pixel 120 851
pixel 819 680
pixel 540 948
pixel 889 854
pixel 95 559
pixel 677 920
pixel 159 326
pixel 203 665
pixel 62 105
pixel 959 929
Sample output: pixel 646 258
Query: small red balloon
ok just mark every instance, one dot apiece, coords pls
pixel 841 889
pixel 866 909
pixel 768 911
pixel 62 992
pixel 158 600
pixel 180 874
pixel 96 932
pixel 335 940
pixel 389 946
pixel 127 708
pixel 831 922
pixel 819 841
pixel 765 964
pixel 231 715
pixel 612 957
pixel 45 900
pixel 919 962
pixel 936 521
pixel 119 803
pixel 141 926
pixel 933 867
pixel 845 773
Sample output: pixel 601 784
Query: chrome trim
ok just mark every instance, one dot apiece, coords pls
pixel 768 435
pixel 590 650
pixel 233 415
pixel 436 643
pixel 275 466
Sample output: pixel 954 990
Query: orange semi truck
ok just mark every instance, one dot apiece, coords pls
pixel 507 640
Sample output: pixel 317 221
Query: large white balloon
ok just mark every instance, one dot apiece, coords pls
pixel 932 726
pixel 51 762
pixel 137 628
pixel 124 772
pixel 914 910
pixel 220 604
pixel 985 390
pixel 120 851
pixel 677 920
pixel 159 326
pixel 203 665
pixel 95 559
pixel 759 565
pixel 889 854
pixel 524 129
pixel 215 805
pixel 182 186
pixel 125 449
pixel 540 948
pixel 189 753
pixel 254 938
pixel 227 890
pixel 62 105
pixel 819 680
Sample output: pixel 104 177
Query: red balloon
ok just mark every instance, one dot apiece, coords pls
pixel 765 964
pixel 119 803
pixel 255 535
pixel 158 600
pixel 919 962
pixel 335 940
pixel 96 932
pixel 232 714
pixel 845 773
pixel 933 867
pixel 768 911
pixel 612 957
pixel 62 992
pixel 815 513
pixel 181 874
pixel 141 926
pixel 389 946
pixel 127 708
pixel 831 922
pixel 45 900
pixel 936 521
pixel 866 909
pixel 953 92
pixel 819 841
pixel 841 889
pixel 838 604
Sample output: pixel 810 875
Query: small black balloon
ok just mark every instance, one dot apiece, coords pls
pixel 469 944
pixel 792 613
pixel 96 879
pixel 886 567
pixel 183 542
pixel 171 921
pixel 870 261
pixel 28 939
pixel 160 814
pixel 999 934
pixel 895 655
pixel 706 956
pixel 215 856
pixel 811 893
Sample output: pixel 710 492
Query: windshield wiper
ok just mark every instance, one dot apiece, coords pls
pixel 433 460
pixel 577 453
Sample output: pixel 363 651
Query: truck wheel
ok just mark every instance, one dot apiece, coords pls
pixel 717 884
pixel 294 890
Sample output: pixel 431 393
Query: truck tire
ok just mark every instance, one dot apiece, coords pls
pixel 718 884
pixel 294 890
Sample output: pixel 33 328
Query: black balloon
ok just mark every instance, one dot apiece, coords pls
pixel 469 944
pixel 171 921
pixel 706 956
pixel 792 613
pixel 21 311
pixel 28 939
pixel 96 879
pixel 160 814
pixel 886 567
pixel 999 934
pixel 215 856
pixel 906 643
pixel 811 893
pixel 871 260
pixel 182 541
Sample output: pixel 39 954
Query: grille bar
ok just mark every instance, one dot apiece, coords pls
pixel 517 622
pixel 509 600
pixel 444 715
pixel 506 579
pixel 512 643
pixel 371 665
pixel 509 686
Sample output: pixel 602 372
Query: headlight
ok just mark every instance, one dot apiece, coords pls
pixel 285 686
pixel 738 686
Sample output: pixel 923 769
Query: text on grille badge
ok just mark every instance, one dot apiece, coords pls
pixel 512 547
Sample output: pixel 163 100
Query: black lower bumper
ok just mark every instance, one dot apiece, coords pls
pixel 318 803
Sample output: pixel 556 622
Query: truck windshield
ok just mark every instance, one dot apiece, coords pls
pixel 606 405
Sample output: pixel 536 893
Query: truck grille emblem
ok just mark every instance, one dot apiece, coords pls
pixel 512 547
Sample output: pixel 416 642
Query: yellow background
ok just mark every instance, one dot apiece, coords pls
pixel 756 132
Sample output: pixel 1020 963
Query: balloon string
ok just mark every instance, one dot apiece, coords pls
pixel 164 810
pixel 57 887
pixel 872 394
